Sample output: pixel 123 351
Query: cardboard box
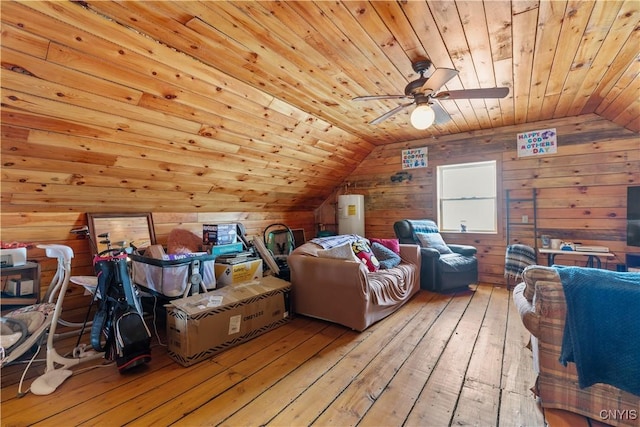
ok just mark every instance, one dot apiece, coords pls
pixel 233 273
pixel 219 234
pixel 14 257
pixel 202 325
pixel 18 287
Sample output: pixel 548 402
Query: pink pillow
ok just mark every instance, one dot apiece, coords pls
pixel 393 244
pixel 365 255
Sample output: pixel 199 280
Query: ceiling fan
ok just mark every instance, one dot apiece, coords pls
pixel 425 93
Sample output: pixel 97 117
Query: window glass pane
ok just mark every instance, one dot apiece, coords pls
pixel 474 181
pixel 477 215
pixel 467 197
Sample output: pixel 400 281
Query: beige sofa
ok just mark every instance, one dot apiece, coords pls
pixel 541 302
pixel 345 292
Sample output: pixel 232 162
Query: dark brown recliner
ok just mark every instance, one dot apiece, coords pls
pixel 440 272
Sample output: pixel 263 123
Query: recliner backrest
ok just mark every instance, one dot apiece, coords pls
pixel 406 229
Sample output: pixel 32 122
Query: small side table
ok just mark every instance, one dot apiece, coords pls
pixel 593 258
pixel 29 271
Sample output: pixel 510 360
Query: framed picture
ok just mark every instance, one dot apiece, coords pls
pixel 299 237
pixel 124 229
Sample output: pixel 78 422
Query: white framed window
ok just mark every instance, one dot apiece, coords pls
pixel 467 197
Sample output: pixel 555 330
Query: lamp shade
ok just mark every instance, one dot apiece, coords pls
pixel 423 116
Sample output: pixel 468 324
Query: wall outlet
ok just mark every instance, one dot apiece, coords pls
pixel 525 219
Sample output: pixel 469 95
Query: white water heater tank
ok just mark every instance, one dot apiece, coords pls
pixel 351 214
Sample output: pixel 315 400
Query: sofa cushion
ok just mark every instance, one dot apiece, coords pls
pixel 343 251
pixel 435 241
pixel 363 252
pixel 386 257
pixel 393 244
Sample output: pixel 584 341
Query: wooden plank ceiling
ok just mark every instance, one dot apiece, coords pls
pixel 245 106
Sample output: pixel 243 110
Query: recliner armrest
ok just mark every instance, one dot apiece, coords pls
pixel 465 250
pixel 429 253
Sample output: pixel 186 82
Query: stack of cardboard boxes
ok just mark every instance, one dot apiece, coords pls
pixel 245 305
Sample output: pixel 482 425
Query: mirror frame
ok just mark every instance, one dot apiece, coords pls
pixel 107 222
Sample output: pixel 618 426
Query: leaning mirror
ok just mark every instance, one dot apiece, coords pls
pixel 123 228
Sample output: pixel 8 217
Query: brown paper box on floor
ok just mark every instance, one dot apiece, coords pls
pixel 202 325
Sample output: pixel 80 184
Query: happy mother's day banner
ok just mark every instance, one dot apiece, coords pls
pixel 537 142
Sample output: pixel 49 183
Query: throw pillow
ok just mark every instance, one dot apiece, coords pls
pixel 393 244
pixel 363 252
pixel 343 251
pixel 435 241
pixel 386 257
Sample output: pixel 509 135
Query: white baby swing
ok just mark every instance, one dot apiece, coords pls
pixel 42 319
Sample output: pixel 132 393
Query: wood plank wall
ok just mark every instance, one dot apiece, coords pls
pixel 581 195
pixel 581 190
pixel 49 228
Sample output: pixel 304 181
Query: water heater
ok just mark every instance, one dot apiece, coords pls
pixel 351 214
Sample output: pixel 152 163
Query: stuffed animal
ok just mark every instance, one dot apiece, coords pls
pixel 181 241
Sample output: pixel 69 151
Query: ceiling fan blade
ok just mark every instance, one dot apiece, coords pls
pixel 441 115
pixel 376 97
pixel 390 113
pixel 493 92
pixel 438 79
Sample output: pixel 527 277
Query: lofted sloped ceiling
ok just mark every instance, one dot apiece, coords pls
pixel 183 106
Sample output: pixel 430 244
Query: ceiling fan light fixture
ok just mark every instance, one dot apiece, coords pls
pixel 422 117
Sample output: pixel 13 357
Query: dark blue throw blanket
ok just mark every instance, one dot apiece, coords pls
pixel 602 330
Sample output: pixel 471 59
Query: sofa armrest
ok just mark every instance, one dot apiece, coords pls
pixel 530 318
pixel 551 307
pixel 330 289
pixel 541 303
pixel 465 250
pixel 410 254
pixel 536 273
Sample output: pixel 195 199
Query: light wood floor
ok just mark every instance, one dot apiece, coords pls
pixel 440 360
